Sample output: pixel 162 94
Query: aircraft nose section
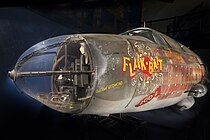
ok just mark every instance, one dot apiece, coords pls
pixel 58 72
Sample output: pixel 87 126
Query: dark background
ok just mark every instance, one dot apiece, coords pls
pixel 23 24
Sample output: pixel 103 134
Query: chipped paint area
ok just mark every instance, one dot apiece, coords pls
pixel 144 68
pixel 149 97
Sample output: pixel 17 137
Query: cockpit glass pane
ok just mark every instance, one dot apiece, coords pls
pixel 175 45
pixel 42 61
pixel 160 40
pixel 42 45
pixel 144 33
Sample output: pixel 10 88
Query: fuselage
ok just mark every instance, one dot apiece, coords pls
pixel 102 74
pixel 137 74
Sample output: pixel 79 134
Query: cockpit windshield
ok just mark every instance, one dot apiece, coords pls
pixel 142 32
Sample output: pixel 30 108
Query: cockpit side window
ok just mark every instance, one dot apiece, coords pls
pixel 175 45
pixel 161 41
